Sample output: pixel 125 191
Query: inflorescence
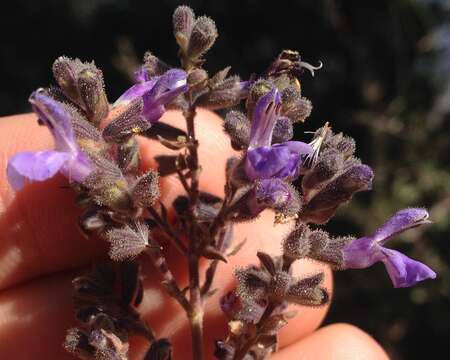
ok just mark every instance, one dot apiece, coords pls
pixel 96 149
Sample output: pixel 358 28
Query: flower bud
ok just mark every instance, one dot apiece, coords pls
pixel 108 187
pixel 297 245
pixel 332 252
pixel 228 93
pixel 197 78
pixel 127 243
pixel 237 126
pixel 146 190
pixel 154 66
pixel 83 129
pixel 127 123
pixel 327 166
pixel 257 91
pixel 298 111
pixel 93 94
pixel 128 156
pixel 83 84
pixel 346 146
pixel 183 20
pixel 65 71
pixel 290 95
pixel 279 285
pixel 203 36
pixel 318 240
pixel 308 292
pixel 323 205
pixel 278 195
pixel 283 130
pixel 253 283
pixel 327 249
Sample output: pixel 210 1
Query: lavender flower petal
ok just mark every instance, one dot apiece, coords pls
pixel 279 161
pixel 156 92
pixel 168 86
pixel 265 116
pixel 402 220
pixel 141 75
pixel 56 118
pixel 134 92
pixel 403 271
pixel 68 157
pixel 38 166
pixel 78 167
pixel 361 253
pixel 269 193
pixel 265 162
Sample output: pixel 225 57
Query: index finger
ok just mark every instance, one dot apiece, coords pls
pixel 38 225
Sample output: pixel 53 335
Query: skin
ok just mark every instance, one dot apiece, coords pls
pixel 41 250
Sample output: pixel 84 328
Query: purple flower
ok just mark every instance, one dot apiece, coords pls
pixel 402 270
pixel 67 156
pixel 265 160
pixel 270 193
pixel 155 92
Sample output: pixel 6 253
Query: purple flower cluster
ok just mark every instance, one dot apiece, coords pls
pixel 68 158
pixel 305 183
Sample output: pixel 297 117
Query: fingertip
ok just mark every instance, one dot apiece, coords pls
pixel 338 341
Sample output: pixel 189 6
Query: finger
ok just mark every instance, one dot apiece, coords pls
pixel 45 306
pixel 38 225
pixel 262 234
pixel 337 342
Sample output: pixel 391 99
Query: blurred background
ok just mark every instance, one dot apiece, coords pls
pixel 386 82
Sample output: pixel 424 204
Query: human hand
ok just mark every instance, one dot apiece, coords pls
pixel 41 249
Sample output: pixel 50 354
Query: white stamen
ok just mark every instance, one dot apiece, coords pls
pixel 316 144
pixel 310 67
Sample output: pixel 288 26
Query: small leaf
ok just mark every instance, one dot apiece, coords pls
pixel 219 76
pixel 169 164
pixel 212 253
pixel 178 144
pixel 164 130
pixel 267 262
pixel 211 292
pixel 237 248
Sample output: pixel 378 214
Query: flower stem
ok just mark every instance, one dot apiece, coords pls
pixel 159 262
pixel 271 307
pixel 194 251
pixel 196 313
